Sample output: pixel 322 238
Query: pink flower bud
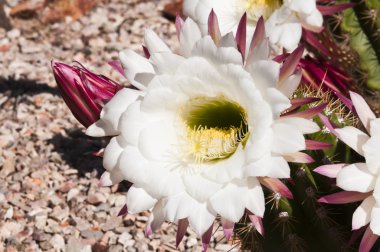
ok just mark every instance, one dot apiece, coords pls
pixel 84 92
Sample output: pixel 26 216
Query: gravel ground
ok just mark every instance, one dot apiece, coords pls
pixel 49 194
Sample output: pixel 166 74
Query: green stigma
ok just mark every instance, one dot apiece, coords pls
pixel 215 127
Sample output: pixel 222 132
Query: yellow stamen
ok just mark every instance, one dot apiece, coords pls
pixel 257 8
pixel 215 126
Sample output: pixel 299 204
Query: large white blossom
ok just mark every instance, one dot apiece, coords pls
pixel 284 19
pixel 201 130
pixel 363 177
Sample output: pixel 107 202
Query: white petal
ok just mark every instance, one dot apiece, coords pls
pixel 274 167
pixel 111 113
pixel 161 99
pixel 227 19
pixel 178 207
pixel 356 177
pixel 364 112
pixel 258 148
pixel 144 78
pixel 304 125
pixel 190 34
pixel 312 21
pixel 109 179
pixel 287 139
pixel 189 7
pixel 376 192
pixel 362 214
pixel 372 154
pixel 201 218
pixel 206 48
pixel 289 86
pixel 260 52
pixel 226 170
pixel 228 40
pixel 230 202
pixel 154 43
pixel 134 64
pixel 157 140
pixel 278 101
pixel 163 181
pixel 156 218
pixel 139 200
pixel 166 62
pixel 132 121
pixel 303 6
pixel 199 187
pixel 134 166
pixel 287 35
pixel 112 153
pixel 256 200
pixel 353 137
pixel 100 129
pixel 374 128
pixel 265 73
pixel 375 220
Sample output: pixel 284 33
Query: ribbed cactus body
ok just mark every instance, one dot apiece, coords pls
pixel 362 25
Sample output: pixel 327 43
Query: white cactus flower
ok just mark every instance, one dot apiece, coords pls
pixel 202 130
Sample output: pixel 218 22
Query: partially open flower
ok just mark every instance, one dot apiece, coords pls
pixel 204 128
pixel 285 19
pixel 361 180
pixel 83 91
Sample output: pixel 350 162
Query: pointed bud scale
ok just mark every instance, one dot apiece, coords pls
pixel 316 145
pixel 329 125
pixel 123 210
pixel 275 185
pixel 178 25
pixel 299 102
pixel 181 230
pixel 356 234
pixel 290 64
pixel 299 157
pixel 257 222
pixel 332 9
pixel 241 35
pixel 206 238
pixel 105 180
pixel 213 27
pixel 330 170
pixel 146 52
pixel 148 231
pixel 308 113
pixel 259 34
pixel 369 239
pixel 83 91
pixel 344 197
pixel 116 65
pixel 228 228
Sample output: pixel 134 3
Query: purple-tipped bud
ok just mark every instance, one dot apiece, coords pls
pixel 84 92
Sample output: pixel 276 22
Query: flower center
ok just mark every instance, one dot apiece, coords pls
pixel 215 128
pixel 257 8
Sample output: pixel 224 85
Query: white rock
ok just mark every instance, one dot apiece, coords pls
pixel 72 193
pixel 124 238
pixel 58 242
pixel 14 33
pixel 9 213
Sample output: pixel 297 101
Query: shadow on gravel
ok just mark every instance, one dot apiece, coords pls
pixel 77 149
pixel 14 88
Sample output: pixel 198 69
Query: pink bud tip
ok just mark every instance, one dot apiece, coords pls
pixel 83 90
